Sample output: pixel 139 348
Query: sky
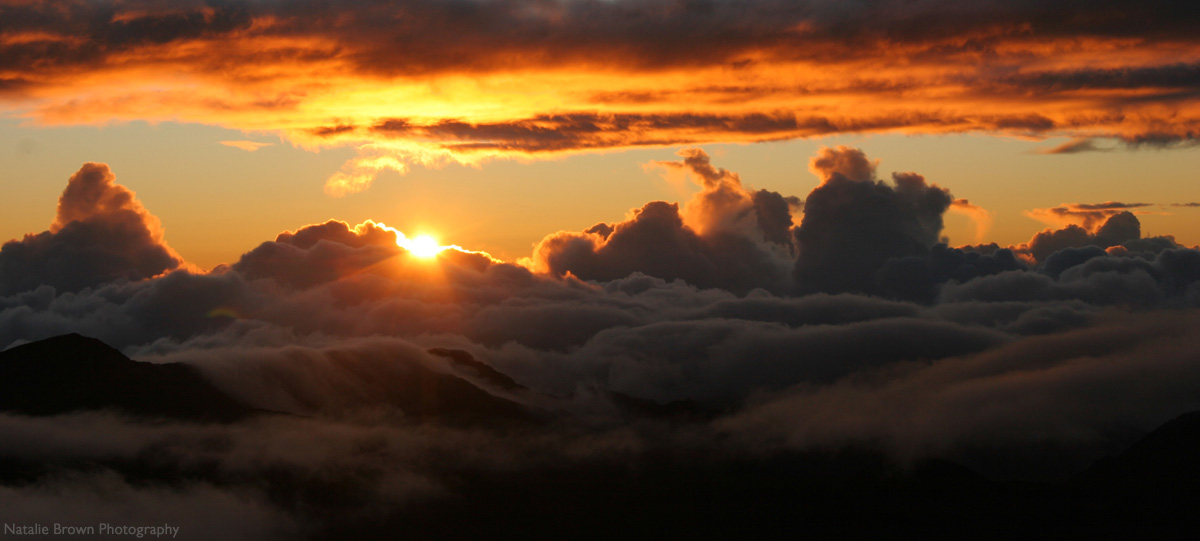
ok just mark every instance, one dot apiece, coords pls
pixel 388 113
pixel 961 230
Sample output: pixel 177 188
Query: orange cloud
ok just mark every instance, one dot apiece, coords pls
pixel 426 82
pixel 1089 216
pixel 979 215
pixel 248 146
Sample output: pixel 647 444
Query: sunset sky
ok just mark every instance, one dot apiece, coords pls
pixel 422 252
pixel 492 124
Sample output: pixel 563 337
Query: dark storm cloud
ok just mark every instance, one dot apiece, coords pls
pixel 101 234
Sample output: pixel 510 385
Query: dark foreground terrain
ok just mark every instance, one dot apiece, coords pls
pixel 1151 490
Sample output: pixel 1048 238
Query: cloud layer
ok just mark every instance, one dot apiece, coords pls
pixel 609 75
pixel 718 328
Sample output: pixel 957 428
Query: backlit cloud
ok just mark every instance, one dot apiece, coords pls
pixel 100 234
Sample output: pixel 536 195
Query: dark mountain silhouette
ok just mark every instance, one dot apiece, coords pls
pixel 72 373
pixel 1152 489
pixel 425 395
pixel 465 362
pixel 75 373
pixel 1166 459
pixel 1149 491
pixel 630 406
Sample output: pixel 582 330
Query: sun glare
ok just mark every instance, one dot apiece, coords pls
pixel 423 246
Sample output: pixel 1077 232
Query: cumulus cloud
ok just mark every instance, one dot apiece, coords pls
pixel 100 234
pixel 1110 227
pixel 319 253
pixel 854 223
pixel 727 236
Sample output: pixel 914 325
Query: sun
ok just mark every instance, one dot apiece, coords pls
pixel 423 246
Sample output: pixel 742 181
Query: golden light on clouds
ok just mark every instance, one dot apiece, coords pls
pixel 422 246
pixel 248 146
pixel 674 284
pixel 444 86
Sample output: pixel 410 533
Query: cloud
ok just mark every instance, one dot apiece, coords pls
pixel 727 236
pixel 610 75
pixel 1179 75
pixel 734 238
pixel 1105 225
pixel 1132 370
pixel 248 146
pixel 853 223
pixel 579 131
pixel 100 234
pixel 1075 146
pixel 1162 139
pixel 851 163
pixel 716 332
pixel 319 253
pixel 358 174
pixel 921 278
pixel 979 215
pixel 1088 215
